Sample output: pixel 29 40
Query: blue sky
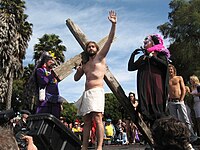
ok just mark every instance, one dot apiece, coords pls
pixel 136 20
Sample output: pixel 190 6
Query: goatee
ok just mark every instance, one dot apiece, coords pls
pixel 91 54
pixel 51 66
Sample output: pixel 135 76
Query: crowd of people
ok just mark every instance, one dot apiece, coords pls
pixel 114 133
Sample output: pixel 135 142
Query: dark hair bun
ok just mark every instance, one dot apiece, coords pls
pixel 155 39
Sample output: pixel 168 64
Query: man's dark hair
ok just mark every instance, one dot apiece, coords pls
pixel 44 59
pixel 170 133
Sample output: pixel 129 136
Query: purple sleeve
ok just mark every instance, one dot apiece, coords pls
pixel 42 79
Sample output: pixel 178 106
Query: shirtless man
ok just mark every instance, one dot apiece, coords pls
pixel 91 103
pixel 176 103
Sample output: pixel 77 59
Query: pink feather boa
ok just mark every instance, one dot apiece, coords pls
pixel 159 47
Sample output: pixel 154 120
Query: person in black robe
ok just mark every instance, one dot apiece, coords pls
pixel 152 77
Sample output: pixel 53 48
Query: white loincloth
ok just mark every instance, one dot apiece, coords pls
pixel 92 100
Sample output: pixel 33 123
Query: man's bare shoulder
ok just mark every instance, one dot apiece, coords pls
pixel 99 59
pixel 177 78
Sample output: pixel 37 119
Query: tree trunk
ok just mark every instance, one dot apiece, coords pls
pixel 3 90
pixel 9 91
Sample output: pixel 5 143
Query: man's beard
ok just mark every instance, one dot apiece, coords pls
pixel 51 66
pixel 90 54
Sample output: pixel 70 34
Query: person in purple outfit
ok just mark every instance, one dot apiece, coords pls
pixel 47 88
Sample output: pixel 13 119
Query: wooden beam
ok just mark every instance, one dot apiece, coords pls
pixel 65 69
pixel 114 86
pixel 78 34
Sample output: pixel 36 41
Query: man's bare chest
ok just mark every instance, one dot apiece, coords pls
pixel 91 66
pixel 173 82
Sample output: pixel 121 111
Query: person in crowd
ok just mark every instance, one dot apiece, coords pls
pixel 122 137
pixel 8 141
pixel 62 119
pixel 48 88
pixel 21 125
pixel 195 85
pixel 134 133
pixel 120 124
pixel 130 126
pixel 70 125
pixel 188 104
pixel 133 100
pixel 176 103
pixel 91 104
pixel 152 77
pixel 77 129
pixel 109 129
pixel 133 127
pixel 170 133
pixel 66 124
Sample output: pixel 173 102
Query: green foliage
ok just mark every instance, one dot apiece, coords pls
pixel 28 70
pixel 18 87
pixel 183 29
pixel 70 112
pixel 112 107
pixel 18 96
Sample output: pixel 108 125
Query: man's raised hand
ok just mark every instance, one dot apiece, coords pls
pixel 112 16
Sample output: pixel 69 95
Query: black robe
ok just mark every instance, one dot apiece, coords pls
pixel 152 84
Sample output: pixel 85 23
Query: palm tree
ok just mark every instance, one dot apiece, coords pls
pixel 50 43
pixel 15 33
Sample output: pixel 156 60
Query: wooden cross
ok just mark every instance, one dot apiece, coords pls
pixel 65 69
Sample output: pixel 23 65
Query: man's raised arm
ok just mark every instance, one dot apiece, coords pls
pixel 113 19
